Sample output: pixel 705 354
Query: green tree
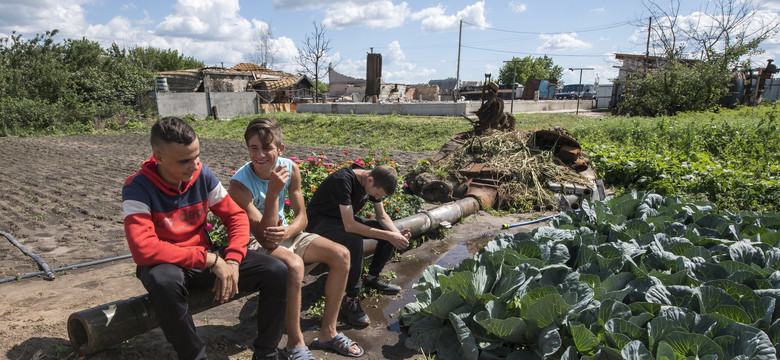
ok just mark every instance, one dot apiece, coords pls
pixel 540 68
pixel 75 85
pixel 719 36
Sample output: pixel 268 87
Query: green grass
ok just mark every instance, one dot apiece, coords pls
pixel 390 132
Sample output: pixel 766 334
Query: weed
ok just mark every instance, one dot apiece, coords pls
pixel 59 350
pixel 317 310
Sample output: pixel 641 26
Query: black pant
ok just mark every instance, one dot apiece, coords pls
pixel 333 229
pixel 168 286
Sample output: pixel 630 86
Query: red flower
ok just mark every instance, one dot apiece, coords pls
pixel 346 153
pixel 209 226
pixel 368 214
pixel 397 209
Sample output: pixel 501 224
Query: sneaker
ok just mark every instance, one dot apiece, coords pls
pixel 377 282
pixel 353 311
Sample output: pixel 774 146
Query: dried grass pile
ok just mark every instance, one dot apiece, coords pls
pixel 523 170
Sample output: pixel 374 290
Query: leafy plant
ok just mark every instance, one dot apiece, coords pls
pixel 638 276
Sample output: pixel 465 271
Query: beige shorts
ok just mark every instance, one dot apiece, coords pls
pixel 297 244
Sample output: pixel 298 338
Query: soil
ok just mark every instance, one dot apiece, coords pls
pixel 61 199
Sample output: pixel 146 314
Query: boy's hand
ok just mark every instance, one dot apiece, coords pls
pixel 276 233
pixel 400 240
pixel 406 233
pixel 226 283
pixel 278 178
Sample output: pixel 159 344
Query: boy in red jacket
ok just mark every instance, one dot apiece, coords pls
pixel 165 207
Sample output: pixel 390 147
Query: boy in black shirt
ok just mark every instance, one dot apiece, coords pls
pixel 331 212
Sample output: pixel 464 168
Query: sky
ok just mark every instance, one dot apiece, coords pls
pixel 418 40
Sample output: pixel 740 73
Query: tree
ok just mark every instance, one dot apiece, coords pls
pixel 719 36
pixel 312 53
pixel 540 68
pixel 721 30
pixel 265 52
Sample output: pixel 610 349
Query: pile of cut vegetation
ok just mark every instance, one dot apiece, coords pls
pixel 522 164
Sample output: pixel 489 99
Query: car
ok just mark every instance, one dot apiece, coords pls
pixel 574 91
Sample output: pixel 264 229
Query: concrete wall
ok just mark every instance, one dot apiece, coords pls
pixel 441 108
pixel 229 105
pixel 422 109
pixel 181 104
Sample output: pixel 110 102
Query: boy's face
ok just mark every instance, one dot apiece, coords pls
pixel 176 163
pixel 263 154
pixel 373 190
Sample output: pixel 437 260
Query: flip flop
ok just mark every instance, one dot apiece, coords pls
pixel 340 344
pixel 299 353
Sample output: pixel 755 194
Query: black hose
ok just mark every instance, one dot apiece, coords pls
pixel 65 268
pixel 49 275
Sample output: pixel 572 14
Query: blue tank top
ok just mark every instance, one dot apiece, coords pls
pixel 259 187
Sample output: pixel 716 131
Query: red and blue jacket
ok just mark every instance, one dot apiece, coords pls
pixel 164 224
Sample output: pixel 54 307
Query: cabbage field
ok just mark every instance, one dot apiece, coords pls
pixel 640 276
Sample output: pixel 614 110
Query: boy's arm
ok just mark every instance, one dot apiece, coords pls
pixel 148 249
pixel 295 194
pixel 243 197
pixel 235 220
pixel 399 240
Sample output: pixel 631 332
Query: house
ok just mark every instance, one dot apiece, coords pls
pixel 271 86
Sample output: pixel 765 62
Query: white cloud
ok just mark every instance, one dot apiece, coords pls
pixel 598 10
pixel 129 6
pixel 303 4
pixel 518 8
pixel 394 53
pixel 36 16
pixel 434 19
pixel 377 14
pixel 206 20
pixel 562 42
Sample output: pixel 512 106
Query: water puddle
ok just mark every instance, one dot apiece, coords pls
pixel 390 306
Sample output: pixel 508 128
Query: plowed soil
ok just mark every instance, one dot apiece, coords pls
pixel 61 198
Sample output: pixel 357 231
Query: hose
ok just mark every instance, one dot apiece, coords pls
pixel 507 226
pixel 49 275
pixel 65 268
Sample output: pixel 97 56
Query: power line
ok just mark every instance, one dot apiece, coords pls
pixel 601 27
pixel 535 54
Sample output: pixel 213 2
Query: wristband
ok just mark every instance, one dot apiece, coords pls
pixel 215 262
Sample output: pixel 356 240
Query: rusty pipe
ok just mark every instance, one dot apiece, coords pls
pixel 426 221
pixel 103 326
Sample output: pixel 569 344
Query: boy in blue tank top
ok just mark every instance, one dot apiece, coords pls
pixel 260 187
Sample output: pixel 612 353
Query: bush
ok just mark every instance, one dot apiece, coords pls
pixel 678 87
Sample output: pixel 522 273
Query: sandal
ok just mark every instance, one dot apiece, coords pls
pixel 340 344
pixel 299 353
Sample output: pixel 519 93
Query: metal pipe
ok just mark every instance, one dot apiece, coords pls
pixel 100 327
pixel 426 221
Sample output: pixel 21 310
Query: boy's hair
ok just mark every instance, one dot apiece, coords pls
pixel 171 130
pixel 267 130
pixel 385 178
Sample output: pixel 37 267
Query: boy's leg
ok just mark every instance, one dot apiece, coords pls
pixel 383 253
pixel 167 289
pixel 295 270
pixel 337 258
pixel 334 230
pixel 268 275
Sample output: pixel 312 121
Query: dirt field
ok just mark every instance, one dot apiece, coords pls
pixel 61 198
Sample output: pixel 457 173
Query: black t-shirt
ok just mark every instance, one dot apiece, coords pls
pixel 340 188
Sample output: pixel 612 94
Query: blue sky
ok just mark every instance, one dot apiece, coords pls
pixel 418 40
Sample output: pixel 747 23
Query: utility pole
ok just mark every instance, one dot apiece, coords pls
pixel 583 87
pixel 647 48
pixel 514 86
pixel 457 76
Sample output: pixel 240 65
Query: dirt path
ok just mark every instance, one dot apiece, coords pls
pixel 61 199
